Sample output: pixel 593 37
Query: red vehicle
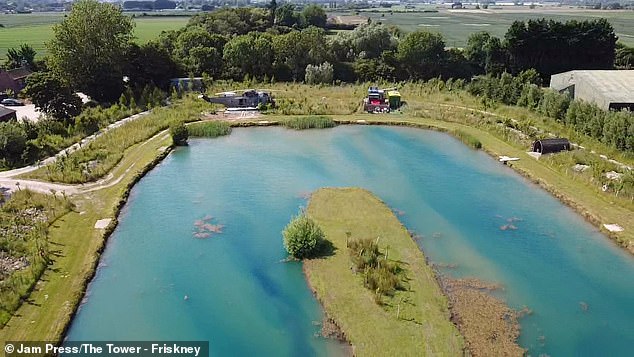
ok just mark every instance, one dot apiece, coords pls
pixel 376 102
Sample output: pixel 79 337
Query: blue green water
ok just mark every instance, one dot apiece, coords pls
pixel 245 301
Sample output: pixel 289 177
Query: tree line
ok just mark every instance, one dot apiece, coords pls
pixel 92 49
pixel 615 129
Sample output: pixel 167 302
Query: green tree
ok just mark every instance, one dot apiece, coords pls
pixel 285 15
pixel 88 48
pixel 319 74
pixel 230 22
pixel 624 57
pixel 422 54
pixel 179 134
pixel 149 64
pixel 366 41
pixel 199 51
pixel 552 47
pixel 302 237
pixel 486 52
pixel 250 54
pixel 272 6
pixel 23 56
pixel 12 144
pixel 314 15
pixel 297 49
pixel 52 96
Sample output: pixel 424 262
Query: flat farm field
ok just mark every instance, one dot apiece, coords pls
pixel 37 28
pixel 456 25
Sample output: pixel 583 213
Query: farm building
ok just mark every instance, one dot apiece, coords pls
pixel 547 146
pixel 14 79
pixel 6 114
pixel 608 89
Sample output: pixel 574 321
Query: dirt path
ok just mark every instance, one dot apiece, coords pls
pixel 70 149
pixel 13 184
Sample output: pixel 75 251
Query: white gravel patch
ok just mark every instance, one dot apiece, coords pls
pixel 103 223
pixel 613 227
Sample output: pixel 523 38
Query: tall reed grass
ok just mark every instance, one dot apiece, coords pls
pixel 468 139
pixel 309 122
pixel 209 129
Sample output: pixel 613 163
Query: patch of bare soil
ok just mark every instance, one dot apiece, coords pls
pixel 489 327
pixel 350 19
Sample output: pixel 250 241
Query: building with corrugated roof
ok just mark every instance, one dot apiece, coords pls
pixel 609 89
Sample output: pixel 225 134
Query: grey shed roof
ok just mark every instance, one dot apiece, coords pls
pixel 600 86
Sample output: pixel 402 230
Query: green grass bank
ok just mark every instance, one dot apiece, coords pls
pixel 422 326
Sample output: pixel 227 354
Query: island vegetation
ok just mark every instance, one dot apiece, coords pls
pixel 303 238
pixel 413 320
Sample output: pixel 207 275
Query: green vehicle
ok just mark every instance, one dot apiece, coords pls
pixel 394 98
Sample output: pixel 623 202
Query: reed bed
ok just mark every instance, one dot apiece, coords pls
pixel 309 122
pixel 468 139
pixel 209 129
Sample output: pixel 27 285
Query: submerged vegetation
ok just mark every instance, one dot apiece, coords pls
pixel 24 248
pixel 309 122
pixel 209 129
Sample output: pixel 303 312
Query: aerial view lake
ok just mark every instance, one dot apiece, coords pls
pixel 198 253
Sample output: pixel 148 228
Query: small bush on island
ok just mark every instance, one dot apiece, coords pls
pixel 179 134
pixel 309 122
pixel 302 237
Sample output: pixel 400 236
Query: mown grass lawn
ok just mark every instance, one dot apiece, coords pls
pixel 422 326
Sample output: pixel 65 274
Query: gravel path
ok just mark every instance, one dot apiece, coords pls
pixel 8 180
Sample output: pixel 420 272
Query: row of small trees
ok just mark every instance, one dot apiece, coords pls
pixel 26 142
pixel 615 129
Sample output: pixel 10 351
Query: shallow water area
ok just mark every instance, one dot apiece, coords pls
pixel 198 252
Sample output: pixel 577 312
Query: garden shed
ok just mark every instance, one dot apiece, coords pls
pixel 547 146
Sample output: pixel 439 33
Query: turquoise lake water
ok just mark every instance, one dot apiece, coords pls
pixel 156 281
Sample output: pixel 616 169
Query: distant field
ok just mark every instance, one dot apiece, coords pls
pixel 457 25
pixel 36 29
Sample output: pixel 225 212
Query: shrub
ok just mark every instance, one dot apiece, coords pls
pixel 319 74
pixel 179 133
pixel 302 237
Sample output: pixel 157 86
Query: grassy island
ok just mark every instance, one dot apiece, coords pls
pixel 422 326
